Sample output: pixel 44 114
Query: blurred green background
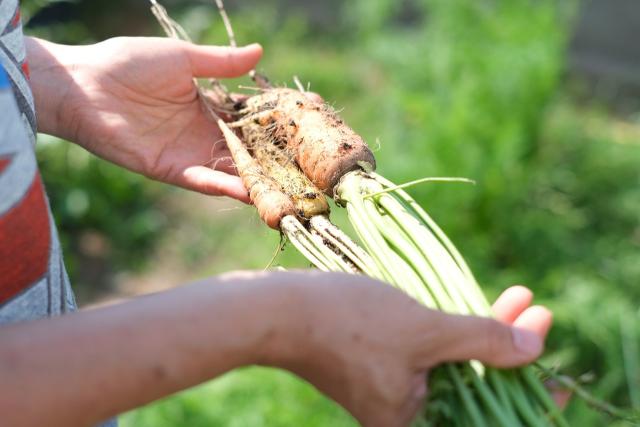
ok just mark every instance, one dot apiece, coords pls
pixel 480 89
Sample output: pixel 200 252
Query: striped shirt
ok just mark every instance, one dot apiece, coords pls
pixel 33 280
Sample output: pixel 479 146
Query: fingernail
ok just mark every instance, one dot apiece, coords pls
pixel 251 46
pixel 526 342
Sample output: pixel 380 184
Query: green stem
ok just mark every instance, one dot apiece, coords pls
pixel 435 255
pixel 394 236
pixel 501 415
pixel 374 244
pixel 495 378
pixel 420 213
pixel 303 241
pixel 345 245
pixel 420 181
pixel 522 404
pixel 596 403
pixel 405 277
pixel 465 395
pixel 542 395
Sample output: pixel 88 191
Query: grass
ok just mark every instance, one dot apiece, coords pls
pixel 256 397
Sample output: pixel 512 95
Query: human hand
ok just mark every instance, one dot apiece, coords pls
pixel 132 101
pixel 369 346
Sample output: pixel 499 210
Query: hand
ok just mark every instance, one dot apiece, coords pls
pixel 370 347
pixel 132 101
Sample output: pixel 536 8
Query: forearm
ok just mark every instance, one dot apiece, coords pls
pixel 52 84
pixel 84 367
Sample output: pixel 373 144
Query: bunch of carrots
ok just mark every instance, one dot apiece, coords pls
pixel 292 151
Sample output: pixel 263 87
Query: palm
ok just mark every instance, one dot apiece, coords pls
pixel 137 106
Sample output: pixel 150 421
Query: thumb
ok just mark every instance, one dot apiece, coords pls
pixel 221 61
pixel 494 343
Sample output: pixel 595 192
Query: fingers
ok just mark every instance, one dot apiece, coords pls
pixel 512 307
pixel 220 61
pixel 511 303
pixel 560 395
pixel 516 337
pixel 208 181
pixel 536 319
pixel 459 338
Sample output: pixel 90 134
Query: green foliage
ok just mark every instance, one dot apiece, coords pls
pixel 109 219
pixel 449 87
pixel 253 397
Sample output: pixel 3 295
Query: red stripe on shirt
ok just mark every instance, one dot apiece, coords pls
pixel 16 19
pixel 25 70
pixel 4 163
pixel 24 242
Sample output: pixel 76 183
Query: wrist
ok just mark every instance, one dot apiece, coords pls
pixel 266 312
pixel 52 82
pixel 282 298
pixel 304 322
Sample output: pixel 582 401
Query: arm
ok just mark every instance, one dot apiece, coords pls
pixel 78 369
pixel 365 344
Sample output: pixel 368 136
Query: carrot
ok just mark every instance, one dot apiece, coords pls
pixel 272 204
pixel 278 163
pixel 324 147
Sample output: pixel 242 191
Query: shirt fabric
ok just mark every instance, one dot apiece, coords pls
pixel 33 280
